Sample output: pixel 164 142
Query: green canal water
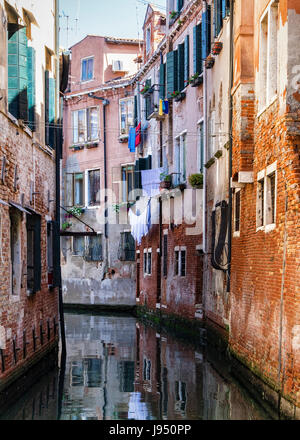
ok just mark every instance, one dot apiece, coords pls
pixel 118 368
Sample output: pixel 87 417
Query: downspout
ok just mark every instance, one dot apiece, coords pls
pixel 230 143
pixel 205 142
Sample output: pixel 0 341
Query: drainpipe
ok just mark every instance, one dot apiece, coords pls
pixel 205 142
pixel 230 143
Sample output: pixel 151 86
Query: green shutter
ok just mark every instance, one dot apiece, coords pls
pixel 148 99
pixel 186 58
pixel 17 71
pixel 179 5
pixel 49 109
pixel 31 87
pixel 172 83
pixel 181 66
pixel 135 111
pixel 206 32
pixel 197 49
pixel 162 81
pixel 218 19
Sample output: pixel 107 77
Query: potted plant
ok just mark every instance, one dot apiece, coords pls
pixel 65 226
pixel 76 211
pixel 195 80
pixel 209 62
pixel 173 15
pixel 177 96
pixel 217 47
pixel 196 180
pixel 166 181
pixel 146 90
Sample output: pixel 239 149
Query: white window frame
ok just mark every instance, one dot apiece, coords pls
pixel 236 233
pixel 200 149
pixel 180 249
pixel 181 166
pixel 268 57
pixel 81 70
pixel 148 44
pixel 131 98
pixel 86 188
pixel 87 140
pixel 263 176
pixel 147 252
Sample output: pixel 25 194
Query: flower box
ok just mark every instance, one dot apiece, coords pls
pixel 179 97
pixel 165 184
pixel 209 62
pixel 217 47
pixel 197 81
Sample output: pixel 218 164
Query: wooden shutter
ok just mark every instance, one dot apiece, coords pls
pixel 223 8
pixel 186 58
pixel 218 20
pixel 148 99
pixel 206 32
pixel 135 111
pixel 179 5
pixel 31 87
pixel 17 72
pixel 49 109
pixel 162 81
pixel 171 72
pixel 181 66
pixel 37 253
pixel 165 256
pixel 197 49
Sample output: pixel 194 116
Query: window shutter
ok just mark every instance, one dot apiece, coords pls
pixel 162 81
pixel 181 66
pixel 148 99
pixel 37 253
pixel 172 64
pixel 197 53
pixel 179 5
pixel 186 58
pixel 31 87
pixel 218 16
pixel 135 111
pixel 17 72
pixel 47 107
pixel 56 255
pixel 223 8
pixel 206 32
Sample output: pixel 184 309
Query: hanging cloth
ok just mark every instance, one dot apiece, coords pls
pixel 140 222
pixel 160 107
pixel 166 107
pixel 138 134
pixel 151 181
pixel 131 139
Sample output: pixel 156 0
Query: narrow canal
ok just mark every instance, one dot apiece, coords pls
pixel 118 368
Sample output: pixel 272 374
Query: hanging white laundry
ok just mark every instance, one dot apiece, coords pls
pixel 140 221
pixel 151 180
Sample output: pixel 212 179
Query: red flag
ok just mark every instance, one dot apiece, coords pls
pixel 138 137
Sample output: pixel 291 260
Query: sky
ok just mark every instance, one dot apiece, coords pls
pixel 114 18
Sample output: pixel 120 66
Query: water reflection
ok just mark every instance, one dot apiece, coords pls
pixel 118 368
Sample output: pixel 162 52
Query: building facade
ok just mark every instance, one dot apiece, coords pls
pixel 98 253
pixel 29 103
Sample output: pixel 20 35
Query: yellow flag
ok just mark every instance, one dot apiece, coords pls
pixel 160 108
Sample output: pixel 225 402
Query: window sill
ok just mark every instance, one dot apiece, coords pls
pixel 86 81
pixel 236 234
pixel 270 227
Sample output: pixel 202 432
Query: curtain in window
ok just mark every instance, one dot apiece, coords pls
pixel 81 126
pixel 93 124
pixel 78 189
pixel 94 187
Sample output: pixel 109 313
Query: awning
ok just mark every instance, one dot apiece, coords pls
pixel 29 17
pixel 2 202
pixel 19 207
pixel 12 14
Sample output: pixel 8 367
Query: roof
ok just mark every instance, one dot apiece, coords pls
pixel 114 40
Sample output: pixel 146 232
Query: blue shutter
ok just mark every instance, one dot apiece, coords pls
pixel 179 5
pixel 197 53
pixel 172 82
pixel 162 81
pixel 223 8
pixel 186 58
pixel 31 87
pixel 181 67
pixel 17 72
pixel 218 16
pixel 49 109
pixel 206 32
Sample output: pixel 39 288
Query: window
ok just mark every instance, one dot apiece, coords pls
pixel 48 59
pixel 85 125
pixel 148 39
pixel 93 187
pixel 165 255
pixel 78 189
pixel 127 247
pixel 147 370
pixel 87 69
pixel 237 210
pixel 180 262
pixel 78 246
pixel 180 159
pixel 268 55
pixel 127 183
pixel 94 248
pixel 218 17
pixel 147 261
pixel 50 247
pixel 180 396
pixel 126 115
pixel 200 155
pixel 15 250
pixel 266 197
pixel 33 226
